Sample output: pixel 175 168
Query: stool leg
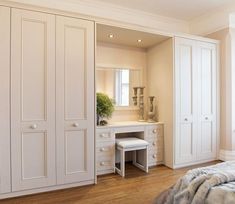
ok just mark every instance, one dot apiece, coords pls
pixel 134 157
pixel 123 163
pixel 146 160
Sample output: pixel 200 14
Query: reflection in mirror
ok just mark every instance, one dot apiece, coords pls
pixel 118 84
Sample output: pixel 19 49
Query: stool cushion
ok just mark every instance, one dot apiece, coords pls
pixel 130 142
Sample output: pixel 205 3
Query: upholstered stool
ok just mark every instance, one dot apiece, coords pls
pixel 131 144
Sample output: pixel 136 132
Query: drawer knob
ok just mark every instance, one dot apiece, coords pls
pixel 102 149
pixel 102 163
pixel 34 126
pixel 154 143
pixel 154 131
pixel 155 156
pixel 75 125
pixel 102 135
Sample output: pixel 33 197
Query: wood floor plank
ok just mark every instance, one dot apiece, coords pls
pixel 137 187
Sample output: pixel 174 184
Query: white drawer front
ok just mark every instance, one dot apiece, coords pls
pixel 155 143
pixel 104 135
pixel 156 129
pixel 105 149
pixel 155 156
pixel 104 163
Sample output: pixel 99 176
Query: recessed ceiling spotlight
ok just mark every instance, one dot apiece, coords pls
pixel 139 40
pixel 111 36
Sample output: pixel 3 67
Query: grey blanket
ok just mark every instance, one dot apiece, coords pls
pixel 209 185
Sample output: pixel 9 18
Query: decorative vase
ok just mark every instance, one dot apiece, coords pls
pixel 151 113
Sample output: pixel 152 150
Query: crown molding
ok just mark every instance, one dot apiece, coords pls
pixel 105 11
pixel 213 21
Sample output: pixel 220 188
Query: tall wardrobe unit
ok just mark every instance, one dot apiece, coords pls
pixel 195 117
pixel 47 102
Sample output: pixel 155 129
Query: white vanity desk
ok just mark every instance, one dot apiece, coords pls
pixel 105 142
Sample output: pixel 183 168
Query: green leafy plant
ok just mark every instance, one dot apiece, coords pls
pixel 104 107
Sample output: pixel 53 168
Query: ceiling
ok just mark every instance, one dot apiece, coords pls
pixel 179 9
pixel 127 37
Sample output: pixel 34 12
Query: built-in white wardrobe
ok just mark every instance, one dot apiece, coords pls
pixel 195 101
pixel 47 101
pixel 183 74
pixel 5 161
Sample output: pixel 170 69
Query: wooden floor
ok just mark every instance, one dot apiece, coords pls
pixel 137 188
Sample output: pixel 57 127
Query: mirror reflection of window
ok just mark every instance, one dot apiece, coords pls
pixel 118 84
pixel 122 87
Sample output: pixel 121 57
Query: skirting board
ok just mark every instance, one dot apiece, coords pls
pixel 226 155
pixel 45 189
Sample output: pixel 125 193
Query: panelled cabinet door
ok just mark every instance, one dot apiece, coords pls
pixel 5 180
pixel 33 100
pixel 75 105
pixel 207 68
pixel 185 100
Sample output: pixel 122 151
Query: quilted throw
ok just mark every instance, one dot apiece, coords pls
pixel 209 185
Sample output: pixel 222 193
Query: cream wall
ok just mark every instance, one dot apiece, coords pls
pixel 225 87
pixel 232 34
pixel 160 84
pixel 122 57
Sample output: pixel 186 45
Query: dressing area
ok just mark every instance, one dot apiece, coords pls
pixel 129 131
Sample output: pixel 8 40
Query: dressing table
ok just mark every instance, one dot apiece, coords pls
pixel 105 142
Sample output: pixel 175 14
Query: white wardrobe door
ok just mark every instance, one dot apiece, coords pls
pixel 33 100
pixel 207 101
pixel 5 181
pixel 185 106
pixel 75 105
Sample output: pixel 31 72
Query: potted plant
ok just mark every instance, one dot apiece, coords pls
pixel 104 108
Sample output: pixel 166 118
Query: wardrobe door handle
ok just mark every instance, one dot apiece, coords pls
pixel 75 125
pixel 34 126
pixel 206 118
pixel 102 149
pixel 186 119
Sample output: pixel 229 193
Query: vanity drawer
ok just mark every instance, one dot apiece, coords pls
pixel 155 156
pixel 155 143
pixel 104 163
pixel 105 149
pixel 104 135
pixel 154 131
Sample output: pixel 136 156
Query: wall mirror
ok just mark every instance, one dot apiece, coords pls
pixel 118 83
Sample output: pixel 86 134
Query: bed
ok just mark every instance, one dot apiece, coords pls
pixel 209 185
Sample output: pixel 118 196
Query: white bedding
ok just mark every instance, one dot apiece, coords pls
pixel 209 185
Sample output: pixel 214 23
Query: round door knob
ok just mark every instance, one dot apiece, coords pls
pixel 154 143
pixel 186 119
pixel 154 156
pixel 154 131
pixel 34 126
pixel 75 125
pixel 102 163
pixel 102 149
pixel 206 118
